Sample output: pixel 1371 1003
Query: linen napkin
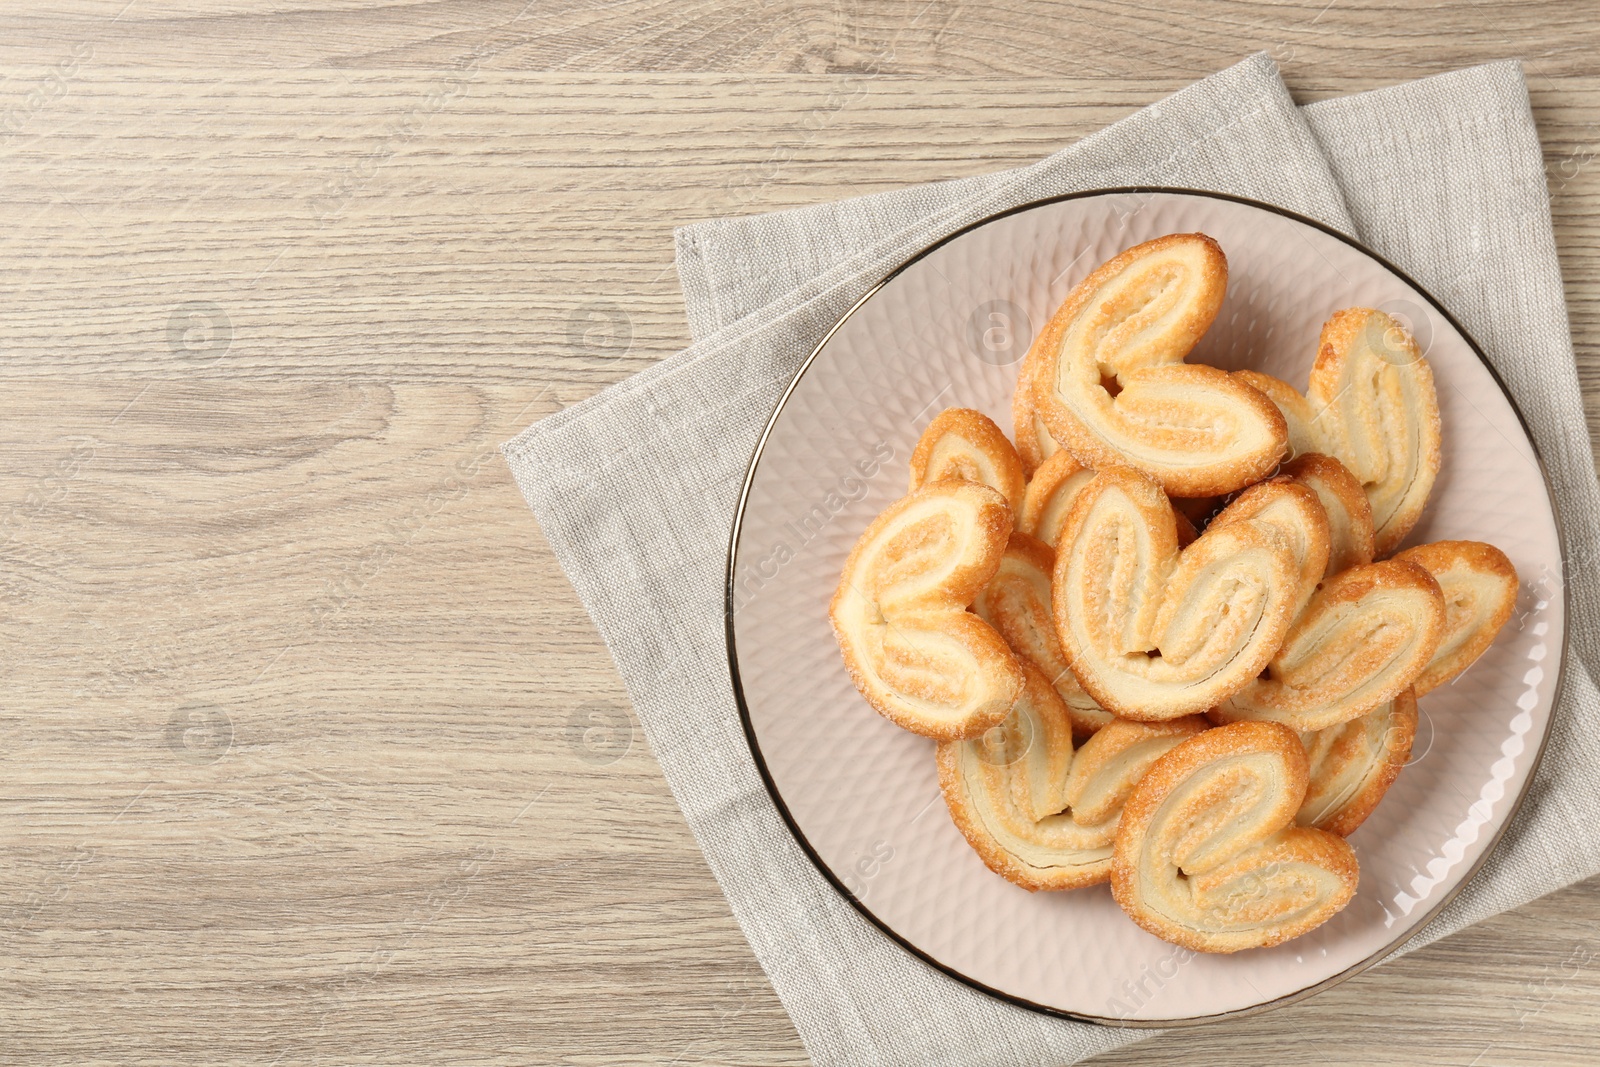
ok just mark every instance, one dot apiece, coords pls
pixel 635 487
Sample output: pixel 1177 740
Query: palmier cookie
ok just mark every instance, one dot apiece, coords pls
pixel 1038 814
pixel 1153 633
pixel 1016 602
pixel 912 649
pixel 1353 764
pixel 966 444
pixel 1480 592
pixel 1208 855
pixel 1371 405
pixel 1053 487
pixel 1365 636
pixel 1107 376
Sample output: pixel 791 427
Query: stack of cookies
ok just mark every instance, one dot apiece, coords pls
pixel 1165 639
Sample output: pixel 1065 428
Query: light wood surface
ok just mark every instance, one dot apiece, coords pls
pixel 308 753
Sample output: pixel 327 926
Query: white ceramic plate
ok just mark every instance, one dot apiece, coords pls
pixel 861 795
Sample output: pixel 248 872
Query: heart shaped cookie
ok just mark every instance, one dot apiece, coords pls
pixel 1153 633
pixel 1038 813
pixel 1208 855
pixel 1371 405
pixel 1106 375
pixel 911 647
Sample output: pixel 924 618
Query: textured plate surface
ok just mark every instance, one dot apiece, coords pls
pixel 950 329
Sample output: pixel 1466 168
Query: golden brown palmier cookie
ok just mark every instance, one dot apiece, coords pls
pixel 1344 503
pixel 1038 814
pixel 1034 443
pixel 1152 633
pixel 900 613
pixel 1480 592
pixel 1371 405
pixel 1366 635
pixel 1016 602
pixel 1354 763
pixel 1208 855
pixel 966 444
pixel 1107 377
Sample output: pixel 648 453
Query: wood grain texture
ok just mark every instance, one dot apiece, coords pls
pixel 1034 38
pixel 309 754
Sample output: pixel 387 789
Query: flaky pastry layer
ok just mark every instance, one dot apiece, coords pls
pixel 1366 635
pixel 1049 495
pixel 1344 502
pixel 1034 443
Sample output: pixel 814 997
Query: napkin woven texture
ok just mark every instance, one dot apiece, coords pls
pixel 635 487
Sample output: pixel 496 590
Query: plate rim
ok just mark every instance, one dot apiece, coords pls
pixel 838 885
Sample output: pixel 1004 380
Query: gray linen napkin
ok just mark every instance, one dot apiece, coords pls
pixel 635 487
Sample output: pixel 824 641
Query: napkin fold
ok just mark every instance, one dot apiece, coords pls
pixel 635 487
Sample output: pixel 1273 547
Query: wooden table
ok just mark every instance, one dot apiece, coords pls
pixel 307 751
